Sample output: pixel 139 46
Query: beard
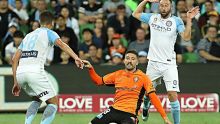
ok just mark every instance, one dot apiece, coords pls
pixel 129 67
pixel 165 14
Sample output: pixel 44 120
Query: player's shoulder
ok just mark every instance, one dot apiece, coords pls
pixel 119 71
pixel 154 15
pixel 150 15
pixel 176 18
pixel 141 73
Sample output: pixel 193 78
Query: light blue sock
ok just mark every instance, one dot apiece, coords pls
pixel 175 111
pixel 31 112
pixel 146 103
pixel 49 114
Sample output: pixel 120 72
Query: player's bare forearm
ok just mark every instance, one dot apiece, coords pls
pixel 187 33
pixel 95 77
pixel 157 104
pixel 137 12
pixel 66 49
pixel 15 61
pixel 190 15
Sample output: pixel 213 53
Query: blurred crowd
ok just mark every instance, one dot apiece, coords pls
pixel 102 30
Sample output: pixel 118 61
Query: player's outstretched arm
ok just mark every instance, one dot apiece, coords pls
pixel 16 88
pixel 157 104
pixel 69 51
pixel 137 12
pixel 93 75
pixel 186 35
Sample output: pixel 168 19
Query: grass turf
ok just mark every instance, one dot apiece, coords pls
pixel 186 118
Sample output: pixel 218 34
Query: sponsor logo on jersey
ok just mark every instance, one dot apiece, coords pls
pixel 160 28
pixel 26 54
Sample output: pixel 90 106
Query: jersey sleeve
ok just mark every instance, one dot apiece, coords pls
pixel 145 17
pixel 179 24
pixel 109 79
pixel 52 36
pixel 148 85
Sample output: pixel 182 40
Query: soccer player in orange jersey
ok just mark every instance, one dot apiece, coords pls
pixel 131 85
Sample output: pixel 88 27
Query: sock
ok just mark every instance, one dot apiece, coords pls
pixel 175 111
pixel 32 111
pixel 49 114
pixel 146 103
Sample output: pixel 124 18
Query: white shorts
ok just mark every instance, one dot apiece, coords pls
pixel 36 84
pixel 169 73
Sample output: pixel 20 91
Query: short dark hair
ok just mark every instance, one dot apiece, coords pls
pixel 140 28
pixel 121 6
pixel 59 16
pixel 209 1
pixel 87 30
pixel 65 34
pixel 18 34
pixel 212 26
pixel 132 51
pixel 91 45
pixel 46 17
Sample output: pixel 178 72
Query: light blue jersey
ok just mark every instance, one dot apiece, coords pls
pixel 35 47
pixel 163 36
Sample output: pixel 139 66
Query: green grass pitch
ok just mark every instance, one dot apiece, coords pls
pixel 186 118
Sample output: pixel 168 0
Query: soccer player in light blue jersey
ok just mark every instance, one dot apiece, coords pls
pixel 164 28
pixel 28 68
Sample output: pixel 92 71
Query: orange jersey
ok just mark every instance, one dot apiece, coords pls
pixel 130 89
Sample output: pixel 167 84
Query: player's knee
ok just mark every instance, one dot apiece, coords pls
pixel 90 123
pixel 172 95
pixel 53 100
pixel 131 120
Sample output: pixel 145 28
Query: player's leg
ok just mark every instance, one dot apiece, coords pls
pixel 50 111
pixel 105 117
pixel 32 110
pixel 130 120
pixel 49 95
pixel 172 85
pixel 175 106
pixel 146 107
pixel 45 91
pixel 154 75
pixel 147 103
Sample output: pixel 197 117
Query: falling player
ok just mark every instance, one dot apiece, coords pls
pixel 130 84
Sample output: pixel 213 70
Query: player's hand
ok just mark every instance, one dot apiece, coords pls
pixel 193 12
pixel 16 89
pixel 167 121
pixel 87 64
pixel 152 1
pixel 79 63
